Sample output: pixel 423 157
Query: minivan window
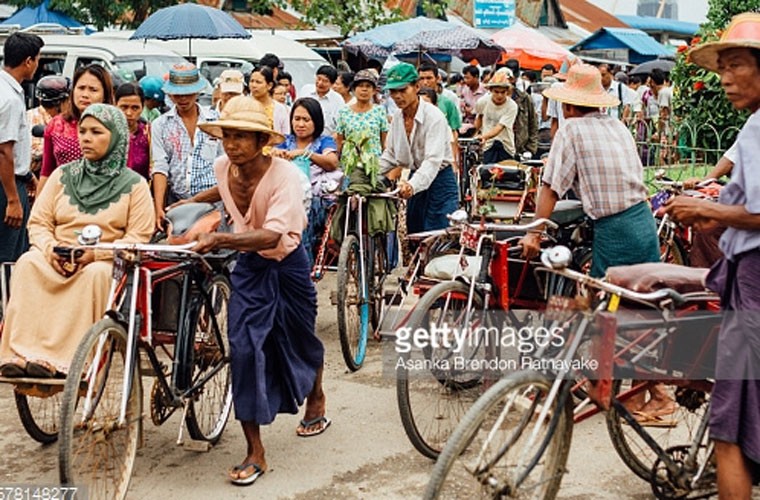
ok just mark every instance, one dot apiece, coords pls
pixel 86 61
pixel 148 65
pixel 303 71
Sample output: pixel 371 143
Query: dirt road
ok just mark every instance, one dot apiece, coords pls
pixel 365 454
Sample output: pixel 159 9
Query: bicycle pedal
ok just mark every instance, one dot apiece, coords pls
pixel 146 368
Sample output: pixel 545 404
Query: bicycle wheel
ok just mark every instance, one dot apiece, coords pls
pixel 671 250
pixel 40 414
pixel 433 399
pixel 96 450
pixel 378 268
pixel 500 449
pixel 210 405
pixel 353 306
pixel 635 453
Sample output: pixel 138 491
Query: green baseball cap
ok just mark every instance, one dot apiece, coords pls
pixel 400 76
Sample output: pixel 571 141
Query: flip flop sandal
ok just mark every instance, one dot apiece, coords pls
pixel 309 423
pixel 248 480
pixel 40 370
pixel 14 369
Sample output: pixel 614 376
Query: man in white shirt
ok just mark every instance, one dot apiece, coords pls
pixel 620 91
pixel 418 140
pixel 21 55
pixel 495 120
pixel 328 99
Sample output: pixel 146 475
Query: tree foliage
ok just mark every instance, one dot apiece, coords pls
pixel 350 16
pixel 699 98
pixel 103 13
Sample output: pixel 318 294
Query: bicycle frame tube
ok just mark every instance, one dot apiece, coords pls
pixel 90 377
pixel 129 362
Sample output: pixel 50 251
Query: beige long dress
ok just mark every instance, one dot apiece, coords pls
pixel 48 314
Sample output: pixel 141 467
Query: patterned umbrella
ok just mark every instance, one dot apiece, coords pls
pixel 459 41
pixel 378 42
pixel 189 20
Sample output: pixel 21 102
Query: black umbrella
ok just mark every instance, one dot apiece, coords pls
pixel 665 65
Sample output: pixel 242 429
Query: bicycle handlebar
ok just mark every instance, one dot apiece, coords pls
pixel 518 227
pixel 651 297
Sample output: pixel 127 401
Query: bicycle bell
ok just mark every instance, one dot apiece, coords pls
pixel 558 257
pixel 90 235
pixel 458 217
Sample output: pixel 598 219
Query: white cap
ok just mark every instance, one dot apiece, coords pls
pixel 231 80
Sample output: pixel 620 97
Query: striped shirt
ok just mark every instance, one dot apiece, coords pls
pixel 596 156
pixel 188 166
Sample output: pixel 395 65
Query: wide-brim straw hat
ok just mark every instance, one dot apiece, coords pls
pixel 742 32
pixel 246 114
pixel 583 88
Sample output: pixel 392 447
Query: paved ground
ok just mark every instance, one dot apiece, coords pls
pixel 365 454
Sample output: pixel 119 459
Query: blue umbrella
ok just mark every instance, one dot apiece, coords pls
pixel 189 20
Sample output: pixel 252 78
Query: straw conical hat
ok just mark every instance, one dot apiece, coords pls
pixel 582 88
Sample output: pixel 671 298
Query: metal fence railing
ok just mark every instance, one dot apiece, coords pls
pixel 686 147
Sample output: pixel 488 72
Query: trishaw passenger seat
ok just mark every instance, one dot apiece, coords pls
pixel 650 277
pixel 188 220
pixel 445 267
pixel 567 211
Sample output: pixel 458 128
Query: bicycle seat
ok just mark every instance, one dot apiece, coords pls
pixel 187 221
pixel 567 211
pixel 650 277
pixel 446 266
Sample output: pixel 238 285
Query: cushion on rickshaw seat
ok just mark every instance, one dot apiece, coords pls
pixel 187 221
pixel 445 267
pixel 505 176
pixel 567 211
pixel 650 277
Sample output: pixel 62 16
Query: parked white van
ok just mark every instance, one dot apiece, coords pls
pixel 299 60
pixel 64 54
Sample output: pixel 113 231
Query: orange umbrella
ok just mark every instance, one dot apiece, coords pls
pixel 530 47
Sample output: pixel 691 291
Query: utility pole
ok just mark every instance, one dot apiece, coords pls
pixel 661 9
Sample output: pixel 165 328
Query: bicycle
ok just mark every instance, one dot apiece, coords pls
pixel 676 240
pixel 470 153
pixel 514 441
pixel 362 268
pixel 505 191
pixel 494 281
pixel 165 301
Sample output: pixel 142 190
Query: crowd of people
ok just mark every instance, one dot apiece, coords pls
pixel 120 155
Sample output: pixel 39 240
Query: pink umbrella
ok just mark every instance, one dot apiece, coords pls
pixel 530 47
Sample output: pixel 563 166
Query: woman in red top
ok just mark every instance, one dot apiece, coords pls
pixel 92 84
pixel 131 100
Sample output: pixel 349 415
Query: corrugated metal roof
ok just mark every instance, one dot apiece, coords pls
pixel 588 16
pixel 657 24
pixel 623 38
pixel 278 20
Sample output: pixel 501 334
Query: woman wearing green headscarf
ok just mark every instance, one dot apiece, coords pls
pixel 54 302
